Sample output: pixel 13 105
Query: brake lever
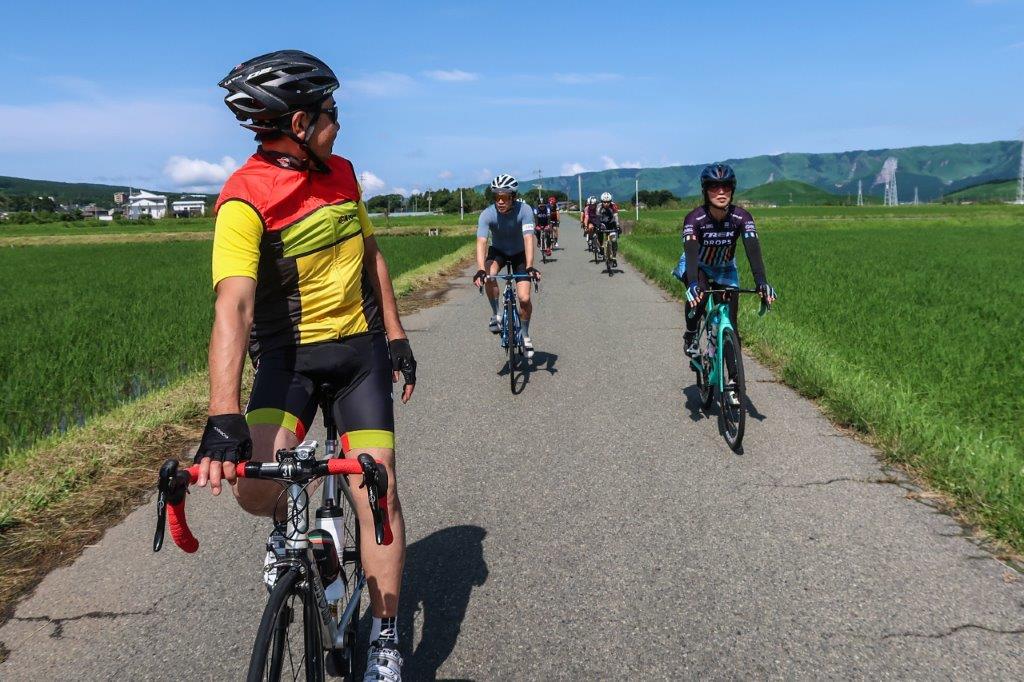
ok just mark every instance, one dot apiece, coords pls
pixel 372 483
pixel 171 486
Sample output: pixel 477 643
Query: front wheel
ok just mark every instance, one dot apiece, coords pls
pixel 733 396
pixel 513 343
pixel 288 641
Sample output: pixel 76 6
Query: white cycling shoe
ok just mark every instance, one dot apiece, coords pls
pixel 528 346
pixel 494 325
pixel 383 663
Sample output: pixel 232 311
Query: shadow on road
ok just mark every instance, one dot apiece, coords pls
pixel 544 362
pixel 693 403
pixel 441 571
pixel 752 410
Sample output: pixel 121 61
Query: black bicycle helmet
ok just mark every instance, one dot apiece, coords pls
pixel 717 173
pixel 267 88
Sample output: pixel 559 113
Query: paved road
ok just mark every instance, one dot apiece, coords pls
pixel 593 527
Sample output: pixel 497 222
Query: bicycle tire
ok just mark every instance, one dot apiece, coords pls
pixel 705 391
pixel 608 255
pixel 277 637
pixel 342 663
pixel 733 417
pixel 513 343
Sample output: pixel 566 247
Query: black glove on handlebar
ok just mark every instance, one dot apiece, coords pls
pixel 478 278
pixel 532 272
pixel 402 359
pixel 225 439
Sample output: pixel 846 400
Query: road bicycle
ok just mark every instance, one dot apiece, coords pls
pixel 310 623
pixel 610 249
pixel 511 335
pixel 544 242
pixel 594 245
pixel 718 363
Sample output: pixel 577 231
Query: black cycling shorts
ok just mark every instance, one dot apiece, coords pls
pixel 518 260
pixel 284 391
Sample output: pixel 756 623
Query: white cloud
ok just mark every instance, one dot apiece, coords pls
pixel 574 168
pixel 485 175
pixel 415 192
pixel 586 78
pixel 452 76
pixel 372 185
pixel 381 84
pixel 400 190
pixel 445 175
pixel 191 173
pixel 610 163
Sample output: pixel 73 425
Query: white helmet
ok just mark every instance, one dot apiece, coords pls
pixel 591 200
pixel 606 196
pixel 504 182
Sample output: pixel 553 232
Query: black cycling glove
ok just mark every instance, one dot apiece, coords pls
pixel 479 277
pixel 403 361
pixel 767 291
pixel 225 439
pixel 532 272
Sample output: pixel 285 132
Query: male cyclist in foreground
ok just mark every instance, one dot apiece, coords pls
pixel 300 280
pixel 710 234
pixel 509 222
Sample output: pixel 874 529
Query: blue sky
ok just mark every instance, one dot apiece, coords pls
pixel 448 93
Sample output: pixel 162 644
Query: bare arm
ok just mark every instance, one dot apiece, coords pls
pixel 231 324
pixel 377 268
pixel 481 252
pixel 528 244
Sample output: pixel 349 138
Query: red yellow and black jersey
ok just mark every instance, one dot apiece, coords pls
pixel 300 235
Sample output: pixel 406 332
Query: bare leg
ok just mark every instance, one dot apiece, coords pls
pixel 261 497
pixel 382 563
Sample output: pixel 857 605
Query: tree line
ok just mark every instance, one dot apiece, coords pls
pixel 447 200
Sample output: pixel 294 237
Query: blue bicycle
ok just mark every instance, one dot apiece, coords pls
pixel 511 335
pixel 718 363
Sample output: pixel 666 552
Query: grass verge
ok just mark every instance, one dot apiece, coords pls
pixel 871 341
pixel 49 514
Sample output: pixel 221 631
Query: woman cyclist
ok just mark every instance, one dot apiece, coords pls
pixel 710 234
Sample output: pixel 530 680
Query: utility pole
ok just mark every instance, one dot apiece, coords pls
pixel 636 197
pixel 916 202
pixel 540 187
pixel 579 186
pixel 462 207
pixel 860 192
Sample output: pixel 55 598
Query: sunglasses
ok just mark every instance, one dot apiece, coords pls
pixel 504 198
pixel 716 188
pixel 332 113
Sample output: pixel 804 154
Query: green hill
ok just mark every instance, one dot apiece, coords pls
pixel 72 192
pixel 933 170
pixel 786 192
pixel 994 192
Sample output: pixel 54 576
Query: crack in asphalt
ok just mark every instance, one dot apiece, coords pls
pixel 887 480
pixel 58 623
pixel 953 631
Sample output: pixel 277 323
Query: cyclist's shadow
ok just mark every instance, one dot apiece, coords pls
pixel 441 571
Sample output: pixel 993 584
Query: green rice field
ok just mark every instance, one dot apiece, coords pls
pixel 95 227
pixel 85 327
pixel 905 323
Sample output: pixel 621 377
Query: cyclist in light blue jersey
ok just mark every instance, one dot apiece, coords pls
pixel 509 223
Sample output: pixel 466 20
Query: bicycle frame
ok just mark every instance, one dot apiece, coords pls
pixel 716 315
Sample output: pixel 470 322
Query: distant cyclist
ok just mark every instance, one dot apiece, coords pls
pixel 509 224
pixel 543 223
pixel 301 282
pixel 587 217
pixel 710 234
pixel 606 217
pixel 553 210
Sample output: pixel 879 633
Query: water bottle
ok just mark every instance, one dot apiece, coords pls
pixel 330 523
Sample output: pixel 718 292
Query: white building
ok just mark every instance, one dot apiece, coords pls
pixel 188 208
pixel 145 203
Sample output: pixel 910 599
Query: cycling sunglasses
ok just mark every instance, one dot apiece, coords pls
pixel 332 113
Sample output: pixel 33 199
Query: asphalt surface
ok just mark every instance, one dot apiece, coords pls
pixel 593 527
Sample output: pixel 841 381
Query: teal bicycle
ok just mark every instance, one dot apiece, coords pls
pixel 718 363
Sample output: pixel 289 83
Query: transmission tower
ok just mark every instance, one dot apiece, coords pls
pixel 1020 176
pixel 888 176
pixel 860 192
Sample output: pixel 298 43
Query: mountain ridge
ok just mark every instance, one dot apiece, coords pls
pixel 934 169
